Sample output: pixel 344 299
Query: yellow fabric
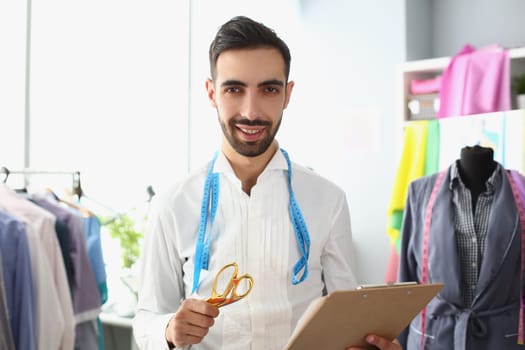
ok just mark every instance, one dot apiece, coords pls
pixel 411 166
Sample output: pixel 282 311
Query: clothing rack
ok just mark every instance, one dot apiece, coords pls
pixel 77 189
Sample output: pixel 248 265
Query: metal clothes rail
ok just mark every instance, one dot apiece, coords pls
pixel 77 188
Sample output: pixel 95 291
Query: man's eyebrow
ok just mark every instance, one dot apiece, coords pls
pixel 271 82
pixel 233 82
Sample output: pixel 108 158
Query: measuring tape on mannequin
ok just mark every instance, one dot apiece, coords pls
pixel 513 177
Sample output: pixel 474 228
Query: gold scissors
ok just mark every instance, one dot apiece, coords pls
pixel 229 293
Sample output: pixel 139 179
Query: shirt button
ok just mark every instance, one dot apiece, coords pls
pixel 474 264
pixel 473 287
pixel 474 240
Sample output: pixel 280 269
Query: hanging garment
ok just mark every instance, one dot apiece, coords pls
pixel 92 228
pixel 64 239
pixel 476 81
pixel 491 321
pixel 6 335
pixel 419 157
pixel 17 299
pixel 89 331
pixel 411 166
pixel 53 300
pixel 86 297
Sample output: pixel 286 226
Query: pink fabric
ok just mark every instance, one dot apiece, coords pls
pixel 476 81
pixel 392 266
pixel 426 86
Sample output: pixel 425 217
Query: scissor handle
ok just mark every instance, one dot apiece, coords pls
pixel 230 284
pixel 236 282
pixel 229 294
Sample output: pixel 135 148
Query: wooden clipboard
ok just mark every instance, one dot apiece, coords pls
pixel 343 318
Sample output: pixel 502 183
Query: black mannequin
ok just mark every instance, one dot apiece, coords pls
pixel 475 166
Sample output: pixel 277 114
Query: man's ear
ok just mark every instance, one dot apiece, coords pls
pixel 289 88
pixel 210 89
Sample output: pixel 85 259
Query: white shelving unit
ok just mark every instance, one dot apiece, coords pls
pixel 429 68
pixel 459 131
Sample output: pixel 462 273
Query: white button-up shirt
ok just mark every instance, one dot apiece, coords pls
pixel 256 232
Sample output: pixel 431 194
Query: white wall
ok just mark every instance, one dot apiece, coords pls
pixel 441 28
pixel 478 22
pixel 348 101
pixel 12 82
pixel 109 94
pixel 419 29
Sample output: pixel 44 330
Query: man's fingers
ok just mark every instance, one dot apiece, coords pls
pixel 190 330
pixel 181 333
pixel 191 322
pixel 382 343
pixel 201 307
pixel 191 317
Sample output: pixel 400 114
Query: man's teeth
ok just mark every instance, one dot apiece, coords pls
pixel 252 132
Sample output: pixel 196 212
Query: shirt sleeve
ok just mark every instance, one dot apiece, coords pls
pixel 337 258
pixel 160 281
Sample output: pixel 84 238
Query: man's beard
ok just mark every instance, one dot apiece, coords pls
pixel 249 149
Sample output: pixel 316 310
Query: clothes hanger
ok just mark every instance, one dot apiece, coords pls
pixel 84 211
pixel 77 189
pixel 6 172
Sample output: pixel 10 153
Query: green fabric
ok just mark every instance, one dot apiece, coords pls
pixel 432 150
pixel 103 290
pixel 396 219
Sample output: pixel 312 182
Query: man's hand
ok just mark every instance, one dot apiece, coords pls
pixel 380 343
pixel 190 323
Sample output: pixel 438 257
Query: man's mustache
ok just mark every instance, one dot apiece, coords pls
pixel 248 122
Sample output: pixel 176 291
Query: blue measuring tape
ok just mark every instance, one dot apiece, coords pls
pixel 210 200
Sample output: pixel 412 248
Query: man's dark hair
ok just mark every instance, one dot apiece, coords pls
pixel 244 33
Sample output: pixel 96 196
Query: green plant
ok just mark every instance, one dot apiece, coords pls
pixel 123 227
pixel 518 84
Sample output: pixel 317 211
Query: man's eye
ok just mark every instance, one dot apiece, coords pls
pixel 271 89
pixel 231 90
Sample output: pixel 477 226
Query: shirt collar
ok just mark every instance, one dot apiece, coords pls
pixel 455 179
pixel 278 162
pixel 222 165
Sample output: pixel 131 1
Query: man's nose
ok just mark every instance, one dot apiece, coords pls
pixel 251 106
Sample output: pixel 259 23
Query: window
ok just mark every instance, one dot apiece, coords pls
pixel 109 94
pixel 12 77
